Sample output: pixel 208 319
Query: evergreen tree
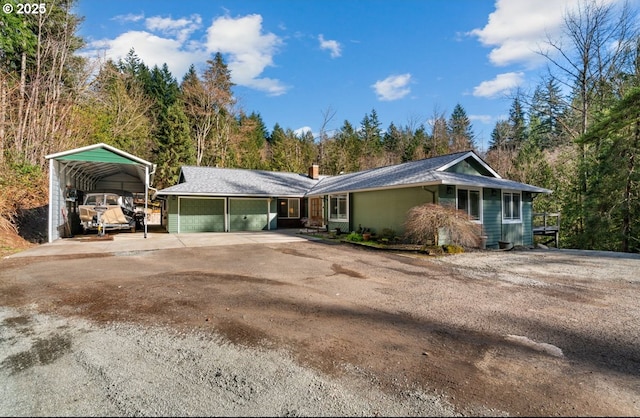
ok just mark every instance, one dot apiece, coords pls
pixel 545 115
pixel 342 152
pixel 292 153
pixel 613 201
pixel 461 137
pixel 174 146
pixel 392 139
pixel 371 137
pixel 517 124
pixel 163 88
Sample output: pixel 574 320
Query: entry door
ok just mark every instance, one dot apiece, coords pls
pixel 315 209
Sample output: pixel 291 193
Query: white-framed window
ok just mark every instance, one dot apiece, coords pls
pixel 289 208
pixel 511 207
pixel 470 201
pixel 339 207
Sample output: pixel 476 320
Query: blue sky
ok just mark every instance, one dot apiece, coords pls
pixel 294 62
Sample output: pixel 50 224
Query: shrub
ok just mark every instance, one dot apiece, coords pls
pixel 427 223
pixel 452 249
pixel 387 233
pixel 354 237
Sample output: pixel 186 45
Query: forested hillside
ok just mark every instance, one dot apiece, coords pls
pixel 577 133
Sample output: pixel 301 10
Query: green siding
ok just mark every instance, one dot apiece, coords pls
pixel 386 208
pixel 200 215
pixel 469 166
pixel 248 214
pixel 172 215
pixel 527 219
pixel 512 232
pixel 273 210
pixel 492 216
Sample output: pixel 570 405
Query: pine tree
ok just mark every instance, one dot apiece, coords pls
pixel 613 201
pixel 370 136
pixel 174 146
pixel 461 137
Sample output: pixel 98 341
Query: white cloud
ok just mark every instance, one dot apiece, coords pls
pixel 250 51
pixel 393 87
pixel 302 131
pixel 152 49
pixel 502 84
pixel 130 17
pixel 166 40
pixel 333 46
pixel 485 119
pixel 517 29
pixel 181 28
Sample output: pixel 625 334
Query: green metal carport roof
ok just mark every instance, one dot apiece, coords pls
pixel 84 168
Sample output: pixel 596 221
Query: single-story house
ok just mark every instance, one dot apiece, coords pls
pixel 208 199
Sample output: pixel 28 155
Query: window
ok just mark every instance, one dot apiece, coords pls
pixel 469 202
pixel 338 207
pixel 511 206
pixel 288 208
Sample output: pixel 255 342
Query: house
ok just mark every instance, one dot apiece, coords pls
pixel 220 199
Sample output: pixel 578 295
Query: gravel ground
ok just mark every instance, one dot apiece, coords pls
pixel 55 366
pixel 310 329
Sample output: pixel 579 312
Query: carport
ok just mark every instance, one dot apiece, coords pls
pixel 95 167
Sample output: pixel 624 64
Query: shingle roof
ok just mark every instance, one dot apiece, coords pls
pixel 413 172
pixel 239 182
pixel 421 172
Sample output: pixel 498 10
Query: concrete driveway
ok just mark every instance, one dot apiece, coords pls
pixel 133 242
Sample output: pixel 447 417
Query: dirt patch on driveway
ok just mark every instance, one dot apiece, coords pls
pixel 519 332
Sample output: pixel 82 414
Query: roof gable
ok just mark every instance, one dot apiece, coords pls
pixel 100 153
pixel 470 163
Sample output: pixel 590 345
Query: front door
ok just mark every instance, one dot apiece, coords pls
pixel 315 210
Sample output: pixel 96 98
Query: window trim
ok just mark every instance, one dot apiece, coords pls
pixel 480 200
pixel 346 215
pixel 511 220
pixel 288 200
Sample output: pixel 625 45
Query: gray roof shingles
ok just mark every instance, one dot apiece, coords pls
pixel 239 182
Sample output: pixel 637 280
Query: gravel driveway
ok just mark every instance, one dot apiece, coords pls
pixel 307 329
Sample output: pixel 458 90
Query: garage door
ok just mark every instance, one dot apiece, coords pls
pixel 201 215
pixel 248 214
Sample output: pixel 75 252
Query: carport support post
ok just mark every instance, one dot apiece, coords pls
pixel 146 197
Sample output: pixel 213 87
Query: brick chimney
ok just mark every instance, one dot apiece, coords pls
pixel 314 172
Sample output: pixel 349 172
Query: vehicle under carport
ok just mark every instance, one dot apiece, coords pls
pixel 95 167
